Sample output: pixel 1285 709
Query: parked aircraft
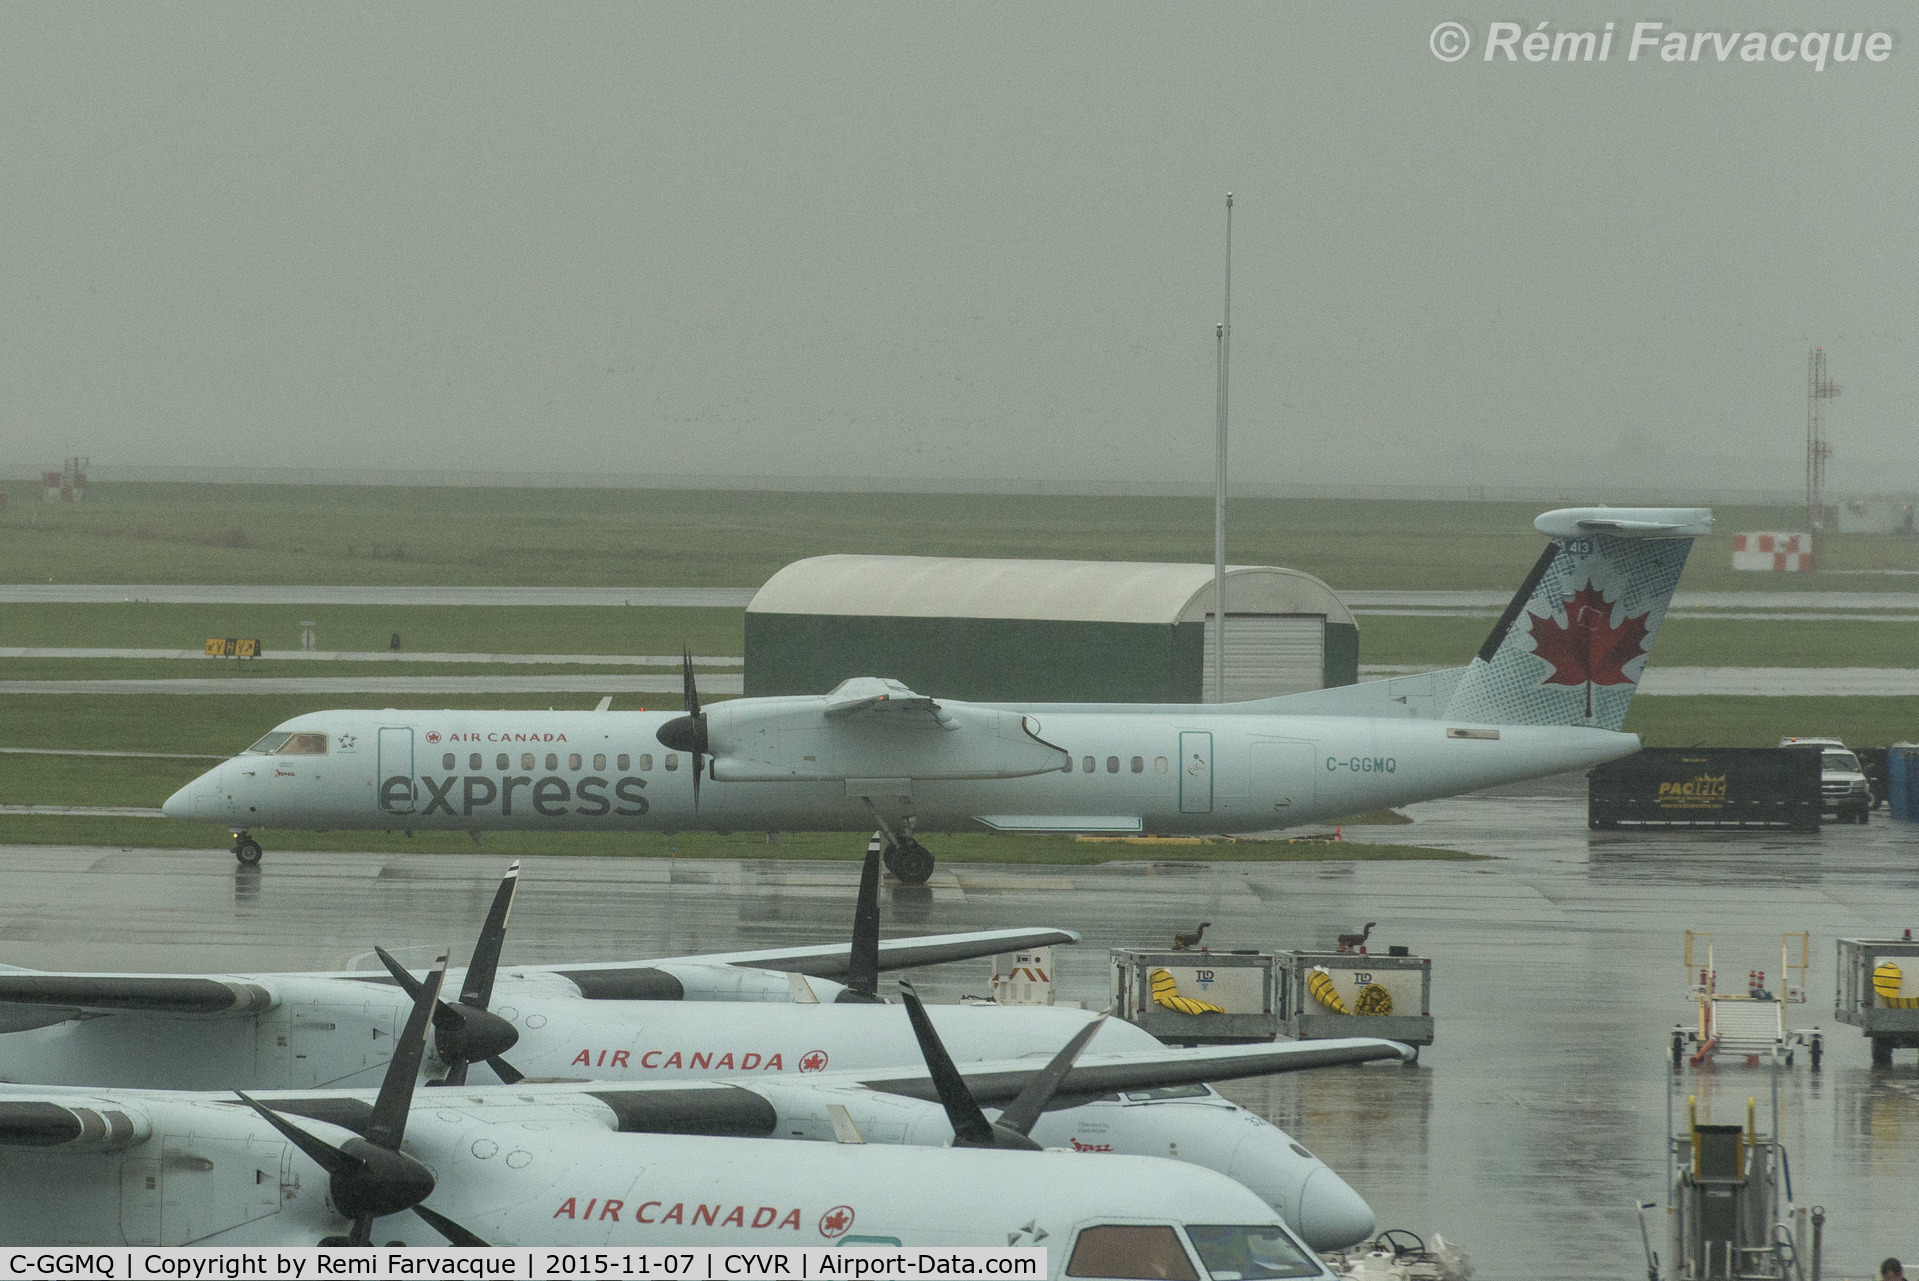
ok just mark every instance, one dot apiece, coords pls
pixel 294 1031
pixel 1547 692
pixel 103 1166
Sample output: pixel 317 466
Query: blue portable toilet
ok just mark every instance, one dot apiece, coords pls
pixel 1902 780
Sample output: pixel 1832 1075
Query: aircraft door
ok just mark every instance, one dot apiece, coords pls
pixel 1195 772
pixel 1282 782
pixel 396 786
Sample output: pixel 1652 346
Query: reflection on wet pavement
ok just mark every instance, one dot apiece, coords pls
pixel 1526 1133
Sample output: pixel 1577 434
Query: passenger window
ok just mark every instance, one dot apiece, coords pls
pixel 625 762
pixel 1132 1253
pixel 1159 765
pixel 1112 765
pixel 646 762
pixel 672 760
pixel 1139 765
pixel 599 761
pixel 446 762
pixel 553 760
pixel 1086 764
pixel 303 745
pixel 1068 767
pixel 473 761
pixel 499 762
pixel 526 760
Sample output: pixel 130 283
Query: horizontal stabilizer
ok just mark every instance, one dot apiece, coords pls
pixel 136 993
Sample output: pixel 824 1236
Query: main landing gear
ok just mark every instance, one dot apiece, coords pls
pixel 904 857
pixel 246 849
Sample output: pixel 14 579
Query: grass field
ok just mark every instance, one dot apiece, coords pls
pixel 1682 642
pixel 179 533
pixel 982 847
pixel 1762 722
pixel 586 629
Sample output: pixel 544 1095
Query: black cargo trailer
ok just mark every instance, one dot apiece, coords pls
pixel 1706 787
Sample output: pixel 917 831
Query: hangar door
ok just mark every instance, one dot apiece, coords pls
pixel 1268 655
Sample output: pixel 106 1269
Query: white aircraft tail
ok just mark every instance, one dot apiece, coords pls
pixel 1570 648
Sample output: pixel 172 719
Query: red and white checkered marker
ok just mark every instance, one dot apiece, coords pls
pixel 1772 553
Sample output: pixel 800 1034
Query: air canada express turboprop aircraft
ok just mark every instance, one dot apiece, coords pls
pixel 591 1164
pixel 788 1044
pixel 1547 692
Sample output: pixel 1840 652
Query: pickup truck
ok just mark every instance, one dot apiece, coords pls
pixel 1843 788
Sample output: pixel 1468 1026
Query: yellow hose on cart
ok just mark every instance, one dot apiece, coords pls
pixel 1888 982
pixel 1166 993
pixel 1320 984
pixel 1373 999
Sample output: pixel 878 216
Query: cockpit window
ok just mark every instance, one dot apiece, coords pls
pixel 1250 1253
pixel 1135 1253
pixel 281 743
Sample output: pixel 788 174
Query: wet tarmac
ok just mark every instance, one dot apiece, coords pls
pixel 1526 1133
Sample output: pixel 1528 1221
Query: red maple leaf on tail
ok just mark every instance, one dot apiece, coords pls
pixel 1588 650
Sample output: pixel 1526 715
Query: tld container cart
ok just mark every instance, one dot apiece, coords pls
pixel 1197 998
pixel 1879 993
pixel 1738 787
pixel 1332 994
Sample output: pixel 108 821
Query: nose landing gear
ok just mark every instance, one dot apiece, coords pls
pixel 246 849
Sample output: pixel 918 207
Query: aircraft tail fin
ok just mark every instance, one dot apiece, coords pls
pixel 1570 648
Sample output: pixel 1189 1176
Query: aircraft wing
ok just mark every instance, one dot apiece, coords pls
pixel 829 960
pixel 136 993
pixel 1096 1075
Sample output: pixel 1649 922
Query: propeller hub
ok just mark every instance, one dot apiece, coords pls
pixel 380 1182
pixel 684 733
pixel 470 1034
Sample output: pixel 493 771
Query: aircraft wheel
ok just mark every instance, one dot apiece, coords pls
pixel 912 863
pixel 248 851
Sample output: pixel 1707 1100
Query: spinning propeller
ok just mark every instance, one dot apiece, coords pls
pixel 369 1176
pixel 971 1129
pixel 465 1031
pixel 688 733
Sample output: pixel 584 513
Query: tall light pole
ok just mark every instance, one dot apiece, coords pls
pixel 1223 342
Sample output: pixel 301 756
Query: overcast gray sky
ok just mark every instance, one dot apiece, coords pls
pixel 957 240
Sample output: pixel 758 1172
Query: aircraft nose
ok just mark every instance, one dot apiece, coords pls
pixel 1331 1215
pixel 198 799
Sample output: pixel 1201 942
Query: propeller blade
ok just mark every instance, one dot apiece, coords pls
pixel 506 1071
pixel 478 987
pixel 453 1232
pixel 863 962
pixel 388 1124
pixel 689 690
pixel 1021 1114
pixel 324 1154
pixel 971 1129
pixel 462 1032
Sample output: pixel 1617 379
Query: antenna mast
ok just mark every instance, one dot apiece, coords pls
pixel 1223 340
pixel 1820 388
